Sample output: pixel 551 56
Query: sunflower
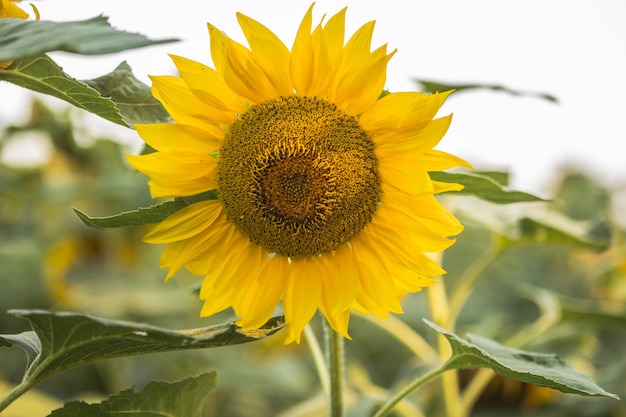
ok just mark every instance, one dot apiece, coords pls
pixel 324 200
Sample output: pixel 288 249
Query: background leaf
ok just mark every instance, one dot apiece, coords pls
pixel 540 369
pixel 485 187
pixel 27 38
pixel 429 86
pixel 181 398
pixel 71 339
pixel 43 75
pixel 148 215
pixel 133 98
pixel 533 231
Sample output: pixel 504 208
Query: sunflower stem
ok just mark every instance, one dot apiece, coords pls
pixel 440 314
pixel 15 393
pixel 468 280
pixel 318 359
pixel 389 406
pixel 336 370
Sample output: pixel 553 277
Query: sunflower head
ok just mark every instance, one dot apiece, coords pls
pixel 324 197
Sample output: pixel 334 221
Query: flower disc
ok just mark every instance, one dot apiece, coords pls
pixel 298 176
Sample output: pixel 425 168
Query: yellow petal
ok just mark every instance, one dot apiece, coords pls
pixel 401 111
pixel 419 141
pixel 442 187
pixel 185 223
pixel 198 248
pixel 209 86
pixel 327 44
pixel 245 77
pixel 264 294
pixel 339 279
pixel 178 137
pixel 8 9
pixel 218 40
pixel 374 277
pixel 360 88
pixel 438 161
pixel 185 108
pixel 301 298
pixel 268 52
pixel 407 177
pixel 176 175
pixel 301 63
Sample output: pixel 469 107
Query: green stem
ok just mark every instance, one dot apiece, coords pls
pixel 389 406
pixel 15 393
pixel 318 359
pixel 467 281
pixel 336 369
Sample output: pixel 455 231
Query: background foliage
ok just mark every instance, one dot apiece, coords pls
pixel 540 277
pixel 561 262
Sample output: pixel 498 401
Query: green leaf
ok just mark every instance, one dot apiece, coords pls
pixel 429 86
pixel 181 398
pixel 540 369
pixel 95 36
pixel 533 231
pixel 43 75
pixel 147 215
pixel 133 98
pixel 72 339
pixel 485 187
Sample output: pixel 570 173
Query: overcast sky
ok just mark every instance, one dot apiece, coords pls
pixel 574 50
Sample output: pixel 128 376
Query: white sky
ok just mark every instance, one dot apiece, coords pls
pixel 572 49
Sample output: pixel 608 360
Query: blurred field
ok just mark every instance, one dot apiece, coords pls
pixel 50 260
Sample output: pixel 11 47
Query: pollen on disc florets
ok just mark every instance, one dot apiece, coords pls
pixel 298 176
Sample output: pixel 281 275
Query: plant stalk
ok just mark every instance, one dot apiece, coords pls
pixel 336 371
pixel 15 393
pixel 389 406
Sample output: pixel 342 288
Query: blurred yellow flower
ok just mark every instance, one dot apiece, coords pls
pixel 324 198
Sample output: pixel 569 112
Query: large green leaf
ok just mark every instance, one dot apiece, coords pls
pixel 133 98
pixel 177 399
pixel 540 369
pixel 485 187
pixel 430 86
pixel 43 75
pixel 66 340
pixel 27 38
pixel 146 215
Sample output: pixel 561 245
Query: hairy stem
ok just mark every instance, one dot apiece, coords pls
pixel 389 406
pixel 15 393
pixel 318 359
pixel 336 370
